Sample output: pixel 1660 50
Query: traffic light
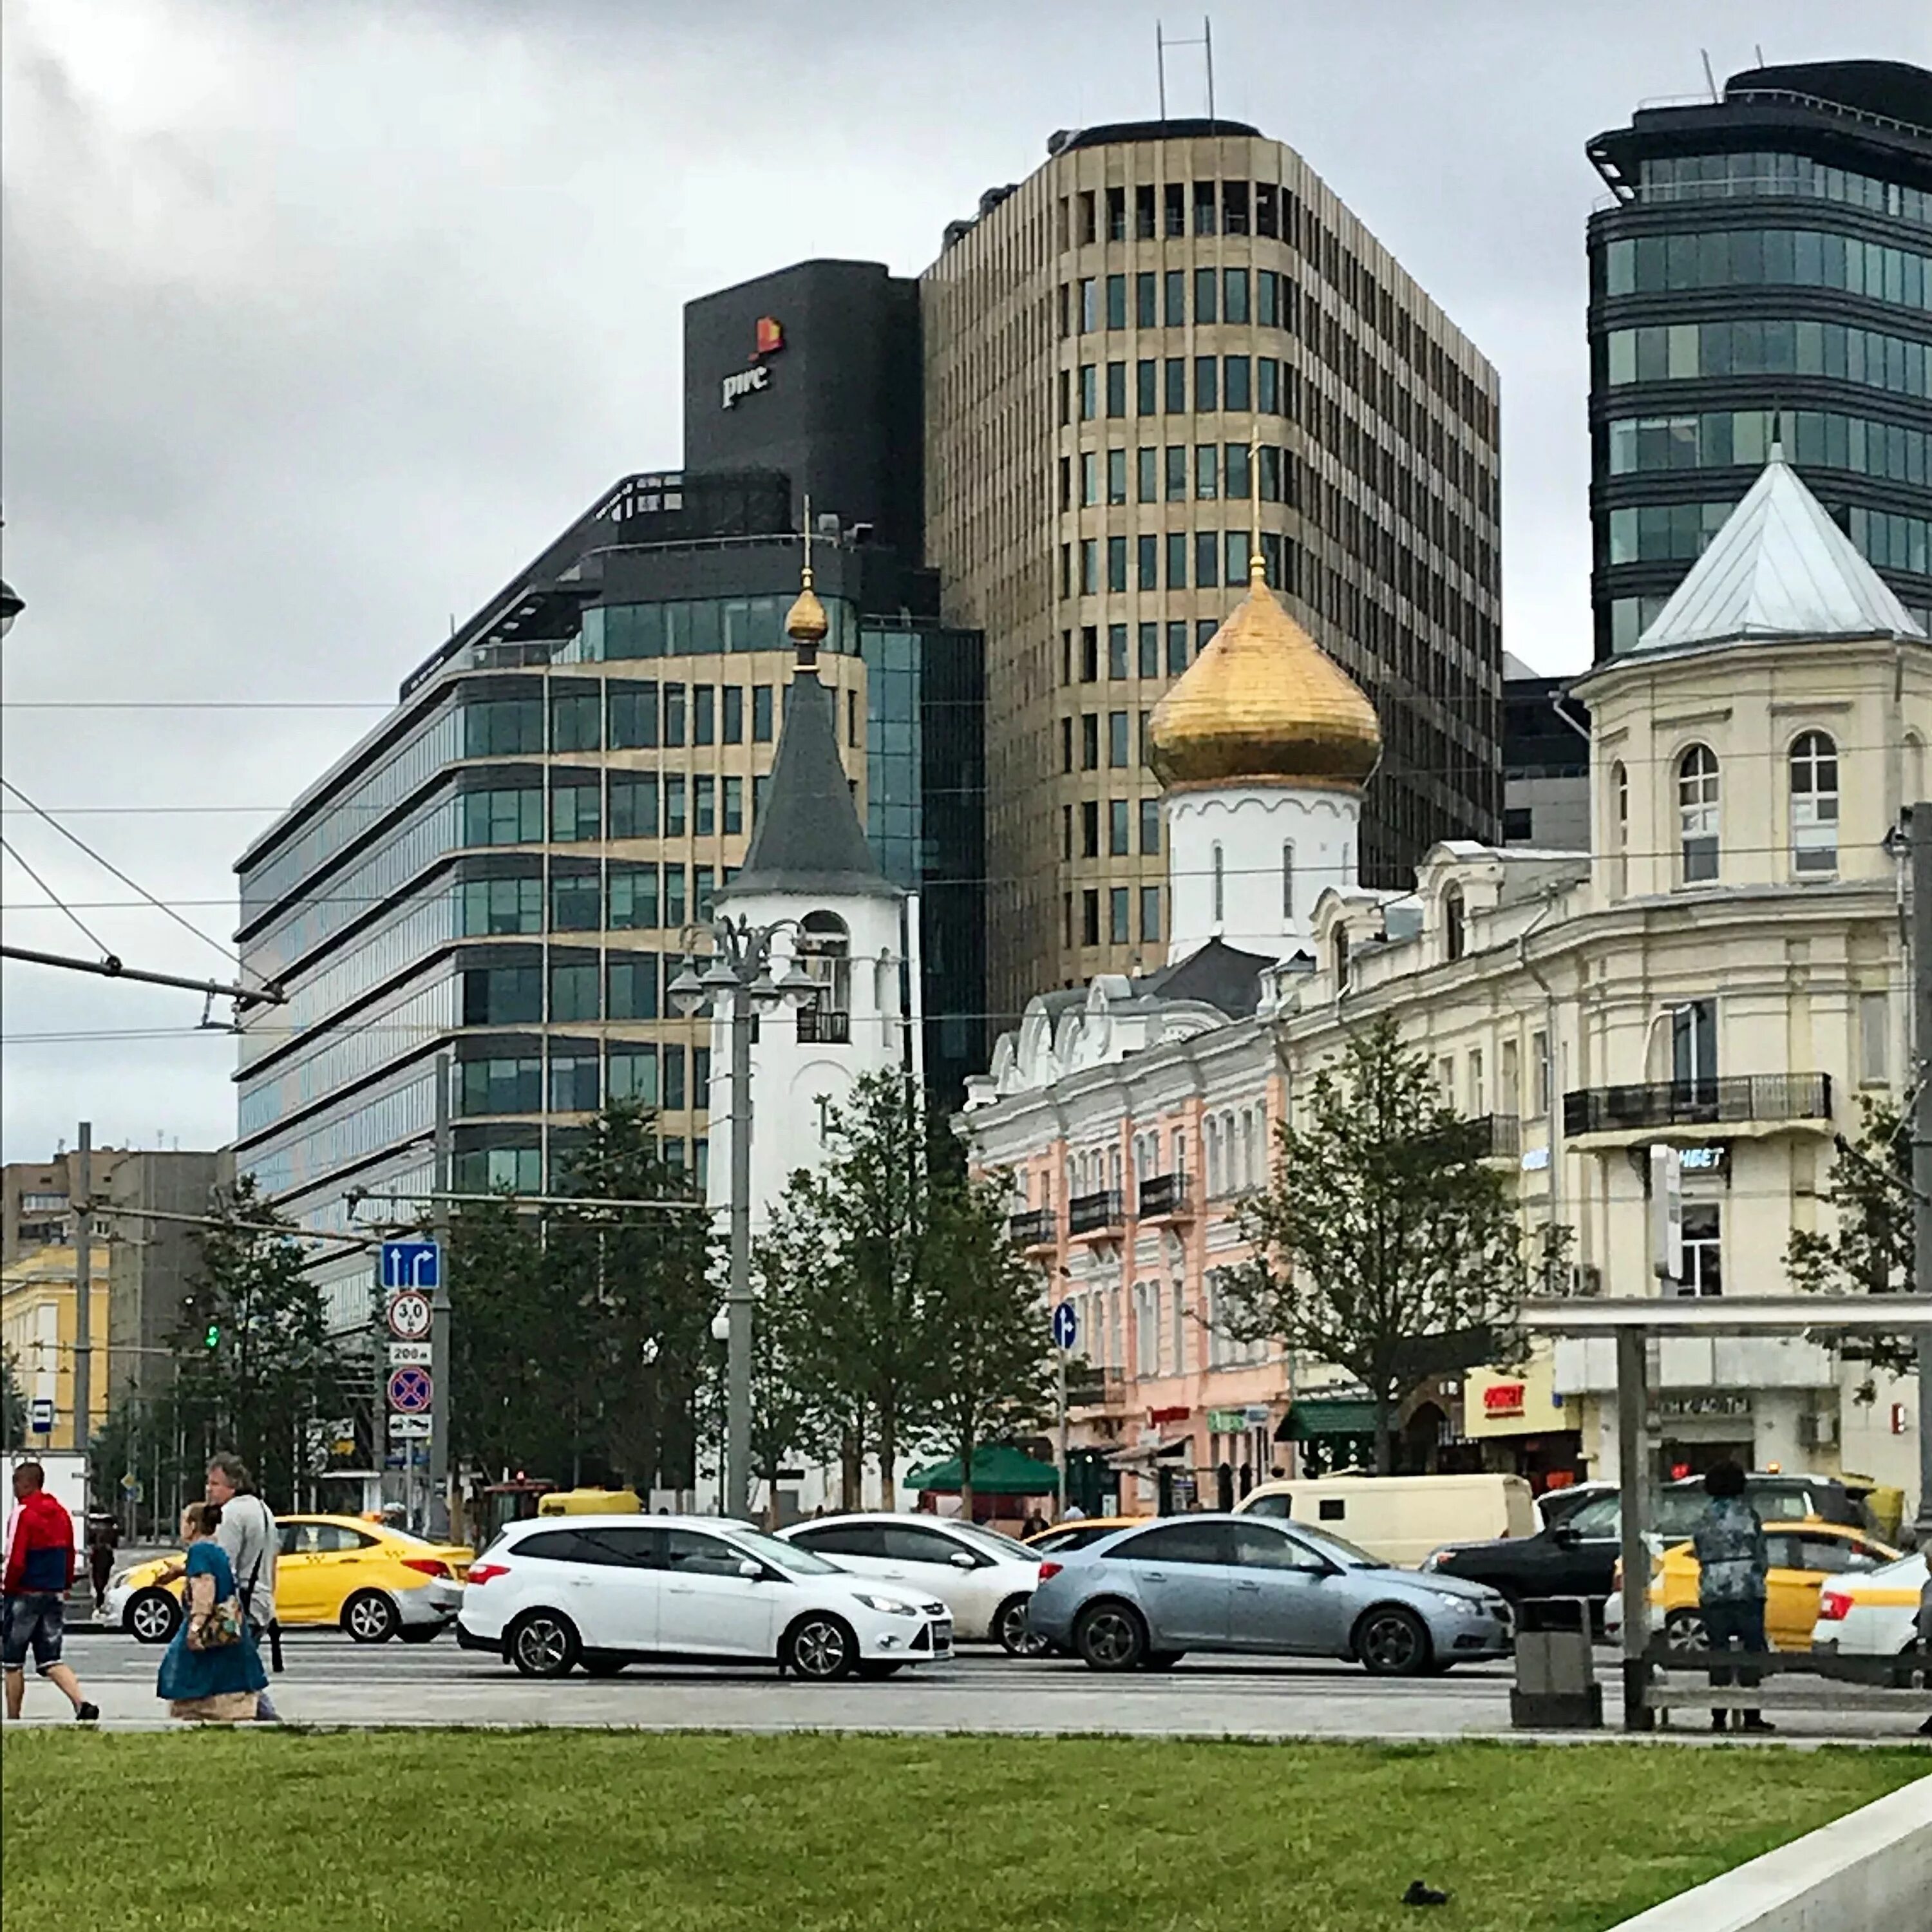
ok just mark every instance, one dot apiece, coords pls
pixel 211 1339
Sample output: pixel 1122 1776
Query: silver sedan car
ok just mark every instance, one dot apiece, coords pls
pixel 1141 1597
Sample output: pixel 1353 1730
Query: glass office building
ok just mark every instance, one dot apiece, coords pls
pixel 1763 271
pixel 506 868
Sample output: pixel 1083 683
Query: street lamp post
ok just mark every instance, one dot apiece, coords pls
pixel 737 983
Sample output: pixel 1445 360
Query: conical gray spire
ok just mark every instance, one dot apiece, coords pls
pixel 808 839
pixel 1779 568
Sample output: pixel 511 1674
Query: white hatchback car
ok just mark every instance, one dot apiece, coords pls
pixel 606 1591
pixel 986 1579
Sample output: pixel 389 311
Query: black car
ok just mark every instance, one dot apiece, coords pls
pixel 1577 1555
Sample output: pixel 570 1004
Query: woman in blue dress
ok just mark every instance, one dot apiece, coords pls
pixel 218 1684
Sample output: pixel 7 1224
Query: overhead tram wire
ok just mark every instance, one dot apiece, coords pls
pixel 92 937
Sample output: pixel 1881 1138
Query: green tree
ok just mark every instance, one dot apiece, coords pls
pixel 1869 1248
pixel 1383 1244
pixel 985 1322
pixel 258 1365
pixel 12 1402
pixel 860 1228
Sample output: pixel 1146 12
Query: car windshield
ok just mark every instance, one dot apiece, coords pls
pixel 1338 1548
pixel 791 1556
pixel 999 1544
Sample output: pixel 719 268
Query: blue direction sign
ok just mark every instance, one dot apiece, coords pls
pixel 410 1390
pixel 40 1415
pixel 1066 1325
pixel 417 1265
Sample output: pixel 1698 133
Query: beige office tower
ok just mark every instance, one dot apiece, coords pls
pixel 1168 327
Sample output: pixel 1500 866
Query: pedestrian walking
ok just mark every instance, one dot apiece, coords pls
pixel 38 1574
pixel 103 1538
pixel 1035 1524
pixel 1925 1634
pixel 248 1534
pixel 1732 1563
pixel 212 1673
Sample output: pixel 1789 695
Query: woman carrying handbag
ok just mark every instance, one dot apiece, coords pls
pixel 211 1673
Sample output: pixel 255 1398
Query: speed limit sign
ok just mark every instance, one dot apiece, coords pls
pixel 409 1316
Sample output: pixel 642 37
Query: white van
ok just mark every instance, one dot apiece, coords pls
pixel 1401 1518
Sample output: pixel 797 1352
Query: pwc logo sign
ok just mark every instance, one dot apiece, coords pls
pixel 767 339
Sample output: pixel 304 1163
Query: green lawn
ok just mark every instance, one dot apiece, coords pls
pixel 472 1831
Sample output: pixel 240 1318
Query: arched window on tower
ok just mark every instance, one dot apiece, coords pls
pixel 1619 830
pixel 1697 814
pixel 1814 803
pixel 1220 911
pixel 825 954
pixel 1338 951
pixel 1287 879
pixel 1455 928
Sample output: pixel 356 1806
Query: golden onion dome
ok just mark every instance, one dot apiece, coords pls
pixel 1264 702
pixel 806 622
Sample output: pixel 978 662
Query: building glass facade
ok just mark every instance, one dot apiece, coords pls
pixel 1764 272
pixel 507 866
pixel 1169 333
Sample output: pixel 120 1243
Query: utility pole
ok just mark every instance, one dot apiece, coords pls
pixel 1918 832
pixel 738 1291
pixel 80 1190
pixel 439 1333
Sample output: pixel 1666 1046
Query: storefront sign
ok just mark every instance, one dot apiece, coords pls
pixel 1160 1415
pixel 1226 1421
pixel 1683 1408
pixel 1503 1398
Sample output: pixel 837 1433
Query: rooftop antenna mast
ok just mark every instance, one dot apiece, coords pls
pixel 1710 79
pixel 1205 43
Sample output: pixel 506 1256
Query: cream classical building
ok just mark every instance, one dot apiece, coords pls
pixel 1724 974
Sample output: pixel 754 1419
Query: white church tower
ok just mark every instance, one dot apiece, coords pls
pixel 809 878
pixel 1263 745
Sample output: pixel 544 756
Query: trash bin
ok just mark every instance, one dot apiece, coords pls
pixel 1556 1688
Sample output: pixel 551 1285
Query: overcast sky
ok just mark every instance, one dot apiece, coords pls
pixel 319 320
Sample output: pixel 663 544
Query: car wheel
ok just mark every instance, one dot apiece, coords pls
pixel 1392 1642
pixel 1009 1627
pixel 543 1643
pixel 1110 1636
pixel 875 1669
pixel 1683 1629
pixel 1161 1660
pixel 151 1616
pixel 369 1617
pixel 603 1664
pixel 820 1647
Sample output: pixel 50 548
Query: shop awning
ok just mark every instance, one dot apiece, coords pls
pixel 1327 1415
pixel 1144 1455
pixel 998 1470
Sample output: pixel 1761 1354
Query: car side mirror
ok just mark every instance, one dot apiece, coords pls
pixel 963 1559
pixel 751 1569
pixel 1566 1536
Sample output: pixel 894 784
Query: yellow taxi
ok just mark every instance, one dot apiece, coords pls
pixel 1803 1557
pixel 1081 1531
pixel 361 1576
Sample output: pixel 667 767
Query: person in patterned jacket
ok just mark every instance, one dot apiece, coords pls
pixel 1732 1560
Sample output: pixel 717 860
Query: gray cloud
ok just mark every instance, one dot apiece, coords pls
pixel 319 321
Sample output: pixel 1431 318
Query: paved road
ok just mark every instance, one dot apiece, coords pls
pixel 330 1681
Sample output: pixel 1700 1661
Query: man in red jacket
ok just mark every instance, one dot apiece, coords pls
pixel 39 1574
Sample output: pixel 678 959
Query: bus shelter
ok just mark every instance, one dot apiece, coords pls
pixel 1632 1323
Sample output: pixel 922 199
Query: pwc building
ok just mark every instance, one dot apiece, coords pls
pixel 1033 475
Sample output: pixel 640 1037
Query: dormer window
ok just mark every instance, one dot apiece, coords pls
pixel 1455 930
pixel 1339 946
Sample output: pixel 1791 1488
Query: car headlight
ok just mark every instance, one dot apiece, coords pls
pixel 891 1606
pixel 1457 1601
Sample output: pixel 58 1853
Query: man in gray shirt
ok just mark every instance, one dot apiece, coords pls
pixel 248 1534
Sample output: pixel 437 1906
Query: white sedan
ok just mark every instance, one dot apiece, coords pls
pixel 1873 1615
pixel 606 1591
pixel 986 1579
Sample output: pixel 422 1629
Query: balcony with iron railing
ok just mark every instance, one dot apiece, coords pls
pixel 1032 1228
pixel 1100 1213
pixel 1738 1105
pixel 1089 1387
pixel 819 1027
pixel 1165 1197
pixel 1498 1136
